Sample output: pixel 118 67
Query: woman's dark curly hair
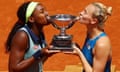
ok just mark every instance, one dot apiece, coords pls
pixel 20 23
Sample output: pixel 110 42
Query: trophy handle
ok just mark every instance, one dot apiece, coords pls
pixel 54 24
pixel 72 23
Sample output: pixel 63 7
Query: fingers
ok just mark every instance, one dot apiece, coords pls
pixel 75 47
pixel 54 51
pixel 49 49
pixel 51 46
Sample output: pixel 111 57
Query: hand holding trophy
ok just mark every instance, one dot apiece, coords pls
pixel 62 41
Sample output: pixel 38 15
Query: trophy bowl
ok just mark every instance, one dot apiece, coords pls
pixel 62 22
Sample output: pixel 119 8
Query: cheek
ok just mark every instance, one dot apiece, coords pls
pixel 84 20
pixel 40 17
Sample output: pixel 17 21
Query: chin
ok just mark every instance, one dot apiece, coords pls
pixel 47 23
pixel 81 22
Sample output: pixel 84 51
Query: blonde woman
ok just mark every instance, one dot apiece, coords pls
pixel 96 52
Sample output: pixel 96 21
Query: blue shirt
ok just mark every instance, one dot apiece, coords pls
pixel 88 48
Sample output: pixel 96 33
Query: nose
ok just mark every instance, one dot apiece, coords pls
pixel 81 13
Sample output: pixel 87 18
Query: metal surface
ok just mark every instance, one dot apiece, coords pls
pixel 59 20
pixel 62 22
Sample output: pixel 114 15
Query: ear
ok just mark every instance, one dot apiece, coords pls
pixel 31 19
pixel 94 21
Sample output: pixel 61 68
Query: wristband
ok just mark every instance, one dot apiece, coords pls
pixel 38 55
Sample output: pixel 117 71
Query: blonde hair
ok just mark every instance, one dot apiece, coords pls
pixel 102 12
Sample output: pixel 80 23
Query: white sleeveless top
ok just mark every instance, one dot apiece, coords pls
pixel 36 66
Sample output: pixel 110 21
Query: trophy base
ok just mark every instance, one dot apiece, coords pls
pixel 62 43
pixel 61 49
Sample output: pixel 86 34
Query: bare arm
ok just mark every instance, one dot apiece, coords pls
pixel 86 65
pixel 18 48
pixel 101 54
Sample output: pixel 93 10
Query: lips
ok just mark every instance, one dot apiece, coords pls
pixel 48 19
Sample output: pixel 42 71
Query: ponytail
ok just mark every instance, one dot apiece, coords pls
pixel 101 13
pixel 20 23
pixel 11 35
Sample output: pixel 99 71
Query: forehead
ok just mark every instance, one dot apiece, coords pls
pixel 90 8
pixel 39 7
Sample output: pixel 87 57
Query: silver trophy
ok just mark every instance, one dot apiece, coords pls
pixel 62 22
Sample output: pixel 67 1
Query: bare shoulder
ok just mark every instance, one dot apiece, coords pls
pixel 103 44
pixel 20 35
pixel 20 39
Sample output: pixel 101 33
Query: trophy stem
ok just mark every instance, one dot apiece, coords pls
pixel 62 31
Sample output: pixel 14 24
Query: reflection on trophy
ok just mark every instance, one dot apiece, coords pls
pixel 62 22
